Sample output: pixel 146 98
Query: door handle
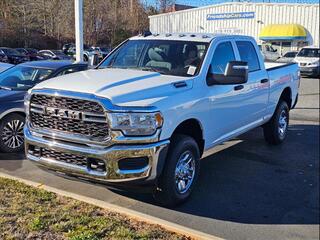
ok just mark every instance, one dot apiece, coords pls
pixel 264 80
pixel 239 87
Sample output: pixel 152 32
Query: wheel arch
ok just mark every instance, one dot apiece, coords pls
pixel 286 96
pixel 192 127
pixel 12 111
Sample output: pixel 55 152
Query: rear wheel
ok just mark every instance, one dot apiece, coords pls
pixel 180 173
pixel 275 131
pixel 11 133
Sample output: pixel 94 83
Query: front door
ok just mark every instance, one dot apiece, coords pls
pixel 226 111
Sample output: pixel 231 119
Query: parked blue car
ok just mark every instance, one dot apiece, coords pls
pixel 14 83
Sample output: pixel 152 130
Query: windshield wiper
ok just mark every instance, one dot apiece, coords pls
pixel 152 69
pixel 5 88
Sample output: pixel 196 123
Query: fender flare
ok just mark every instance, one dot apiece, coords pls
pixel 11 110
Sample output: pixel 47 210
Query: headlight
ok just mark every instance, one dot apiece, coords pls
pixel 316 63
pixel 27 101
pixel 136 124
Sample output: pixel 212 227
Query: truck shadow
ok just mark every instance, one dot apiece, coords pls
pixel 255 183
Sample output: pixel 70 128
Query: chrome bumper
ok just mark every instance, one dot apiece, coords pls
pixel 154 152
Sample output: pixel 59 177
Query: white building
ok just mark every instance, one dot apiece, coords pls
pixel 287 25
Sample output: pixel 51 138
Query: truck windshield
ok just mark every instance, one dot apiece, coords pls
pixel 23 77
pixel 178 58
pixel 309 52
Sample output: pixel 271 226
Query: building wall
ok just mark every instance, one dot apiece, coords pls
pixel 195 20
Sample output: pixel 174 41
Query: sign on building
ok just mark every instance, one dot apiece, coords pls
pixel 229 31
pixel 228 16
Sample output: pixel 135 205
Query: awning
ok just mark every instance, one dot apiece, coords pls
pixel 283 32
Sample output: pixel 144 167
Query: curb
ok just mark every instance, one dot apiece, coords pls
pixel 173 227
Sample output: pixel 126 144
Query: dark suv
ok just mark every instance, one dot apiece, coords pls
pixel 13 56
pixel 31 53
pixel 14 83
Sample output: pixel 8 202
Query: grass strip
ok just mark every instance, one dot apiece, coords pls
pixel 31 213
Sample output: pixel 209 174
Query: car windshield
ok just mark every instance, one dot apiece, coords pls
pixel 21 50
pixel 10 51
pixel 290 54
pixel 178 58
pixel 23 77
pixel 309 52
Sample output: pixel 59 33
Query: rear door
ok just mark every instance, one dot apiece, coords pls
pixel 256 89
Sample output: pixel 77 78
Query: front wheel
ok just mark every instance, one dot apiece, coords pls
pixel 11 133
pixel 275 131
pixel 180 172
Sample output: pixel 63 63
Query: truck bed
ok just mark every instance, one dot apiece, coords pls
pixel 274 65
pixel 282 75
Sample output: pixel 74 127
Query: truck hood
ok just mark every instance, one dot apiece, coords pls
pixel 123 87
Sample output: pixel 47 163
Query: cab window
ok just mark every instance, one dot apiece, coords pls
pixel 248 54
pixel 222 55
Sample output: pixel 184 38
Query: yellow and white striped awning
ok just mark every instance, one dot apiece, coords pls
pixel 283 32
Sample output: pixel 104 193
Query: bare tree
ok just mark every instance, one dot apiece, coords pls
pixel 165 4
pixel 50 23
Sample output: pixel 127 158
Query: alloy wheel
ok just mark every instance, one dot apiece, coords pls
pixel 283 124
pixel 12 135
pixel 185 172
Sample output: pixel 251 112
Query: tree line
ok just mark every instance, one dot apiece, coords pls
pixel 50 23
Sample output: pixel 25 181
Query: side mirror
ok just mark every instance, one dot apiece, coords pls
pixel 236 72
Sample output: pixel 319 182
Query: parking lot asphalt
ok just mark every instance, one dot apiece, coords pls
pixel 246 190
pixel 308 104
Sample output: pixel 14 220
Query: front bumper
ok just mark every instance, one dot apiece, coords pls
pixel 310 71
pixel 154 153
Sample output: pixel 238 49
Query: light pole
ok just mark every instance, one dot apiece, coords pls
pixel 78 15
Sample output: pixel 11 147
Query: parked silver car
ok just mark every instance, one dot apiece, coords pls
pixel 288 57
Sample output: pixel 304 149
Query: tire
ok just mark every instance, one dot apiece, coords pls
pixel 11 133
pixel 275 131
pixel 85 58
pixel 169 191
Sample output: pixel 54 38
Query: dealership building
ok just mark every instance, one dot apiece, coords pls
pixel 287 26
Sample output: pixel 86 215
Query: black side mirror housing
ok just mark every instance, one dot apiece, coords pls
pixel 236 73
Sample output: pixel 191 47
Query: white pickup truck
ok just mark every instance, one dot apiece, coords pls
pixel 147 113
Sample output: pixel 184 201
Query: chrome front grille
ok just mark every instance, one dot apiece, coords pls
pixel 79 117
pixel 67 103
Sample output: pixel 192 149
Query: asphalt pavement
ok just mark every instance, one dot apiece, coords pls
pixel 246 190
pixel 307 108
